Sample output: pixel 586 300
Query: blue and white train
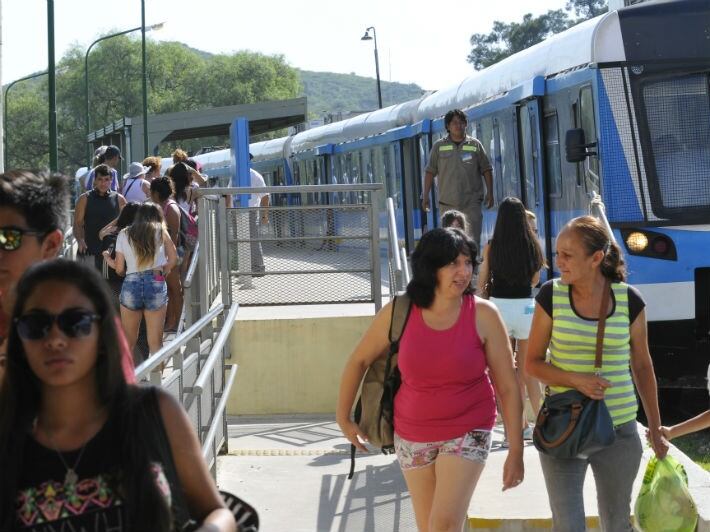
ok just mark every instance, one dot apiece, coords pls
pixel 636 83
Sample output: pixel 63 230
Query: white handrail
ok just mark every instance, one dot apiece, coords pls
pixel 597 204
pixel 219 409
pixel 405 266
pixel 167 350
pixel 216 351
pixel 393 235
pixel 192 268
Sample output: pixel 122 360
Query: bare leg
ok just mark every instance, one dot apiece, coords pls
pixel 519 361
pixel 531 383
pixel 174 299
pixel 131 320
pixel 154 321
pixel 421 483
pixel 456 478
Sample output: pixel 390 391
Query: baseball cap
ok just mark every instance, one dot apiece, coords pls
pixel 136 169
pixel 112 151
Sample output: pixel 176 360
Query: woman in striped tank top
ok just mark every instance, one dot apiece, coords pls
pixel 565 321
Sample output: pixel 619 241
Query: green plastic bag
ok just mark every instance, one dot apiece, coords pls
pixel 664 503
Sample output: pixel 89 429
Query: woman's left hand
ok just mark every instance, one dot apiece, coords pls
pixel 107 257
pixel 658 443
pixel 513 470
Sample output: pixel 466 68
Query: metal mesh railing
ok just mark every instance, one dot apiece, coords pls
pixel 302 254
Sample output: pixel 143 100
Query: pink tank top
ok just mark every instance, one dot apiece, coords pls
pixel 445 389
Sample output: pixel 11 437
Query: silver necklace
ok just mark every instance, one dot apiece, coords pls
pixel 70 478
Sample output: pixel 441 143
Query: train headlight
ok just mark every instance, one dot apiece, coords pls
pixel 637 242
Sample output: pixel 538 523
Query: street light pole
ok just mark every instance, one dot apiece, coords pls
pixel 86 84
pixel 367 37
pixel 86 74
pixel 52 88
pixel 4 108
pixel 145 84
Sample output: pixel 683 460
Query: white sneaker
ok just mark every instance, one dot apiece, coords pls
pixel 528 433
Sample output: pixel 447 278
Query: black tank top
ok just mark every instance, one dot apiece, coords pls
pixel 100 210
pixel 46 503
pixel 500 288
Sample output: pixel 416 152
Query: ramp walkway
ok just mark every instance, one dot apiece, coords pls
pixel 294 470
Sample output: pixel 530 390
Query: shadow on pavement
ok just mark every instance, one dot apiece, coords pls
pixel 375 499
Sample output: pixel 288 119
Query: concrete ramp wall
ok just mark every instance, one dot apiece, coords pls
pixel 290 358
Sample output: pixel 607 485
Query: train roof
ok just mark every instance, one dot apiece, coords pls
pixel 593 41
pixel 635 33
pixel 360 126
pixel 270 149
pixel 597 40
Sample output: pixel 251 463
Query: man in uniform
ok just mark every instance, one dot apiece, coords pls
pixel 461 164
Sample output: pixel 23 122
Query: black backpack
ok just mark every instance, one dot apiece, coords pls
pixel 374 410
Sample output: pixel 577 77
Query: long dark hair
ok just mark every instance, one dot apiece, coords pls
pixel 436 249
pixel 180 176
pixel 515 254
pixel 21 394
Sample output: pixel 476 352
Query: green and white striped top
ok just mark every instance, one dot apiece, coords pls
pixel 573 346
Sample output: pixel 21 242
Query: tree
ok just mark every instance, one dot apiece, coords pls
pixel 586 9
pixel 509 38
pixel 179 79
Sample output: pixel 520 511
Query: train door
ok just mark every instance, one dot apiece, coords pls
pixel 532 167
pixel 415 221
pixel 394 186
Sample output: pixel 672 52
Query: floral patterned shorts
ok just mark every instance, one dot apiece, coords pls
pixel 473 445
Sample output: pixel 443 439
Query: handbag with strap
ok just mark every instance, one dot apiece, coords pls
pixel 374 410
pixel 570 424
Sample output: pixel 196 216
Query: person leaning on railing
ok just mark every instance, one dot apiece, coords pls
pixel 565 320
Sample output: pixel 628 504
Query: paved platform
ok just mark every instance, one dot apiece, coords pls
pixel 294 471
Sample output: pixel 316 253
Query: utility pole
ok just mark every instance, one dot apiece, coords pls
pixel 53 163
pixel 145 85
pixel 2 129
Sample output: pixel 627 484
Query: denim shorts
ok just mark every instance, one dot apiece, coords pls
pixel 474 445
pixel 144 290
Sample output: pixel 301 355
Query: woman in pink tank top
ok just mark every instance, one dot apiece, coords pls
pixel 444 410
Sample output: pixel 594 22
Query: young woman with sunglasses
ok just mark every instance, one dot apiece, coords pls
pixel 146 254
pixel 80 449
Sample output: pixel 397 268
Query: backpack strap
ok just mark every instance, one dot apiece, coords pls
pixel 401 309
pixel 130 186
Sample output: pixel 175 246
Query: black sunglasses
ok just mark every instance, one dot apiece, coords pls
pixel 74 322
pixel 11 237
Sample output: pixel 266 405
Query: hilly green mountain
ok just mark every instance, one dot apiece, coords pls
pixel 330 93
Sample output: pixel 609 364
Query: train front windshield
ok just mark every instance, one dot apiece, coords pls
pixel 676 115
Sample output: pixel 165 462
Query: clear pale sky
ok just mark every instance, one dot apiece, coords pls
pixel 421 42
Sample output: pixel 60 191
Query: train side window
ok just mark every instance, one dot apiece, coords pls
pixel 496 156
pixel 552 155
pixel 509 168
pixel 575 121
pixel 297 173
pixel 586 111
pixel 484 134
